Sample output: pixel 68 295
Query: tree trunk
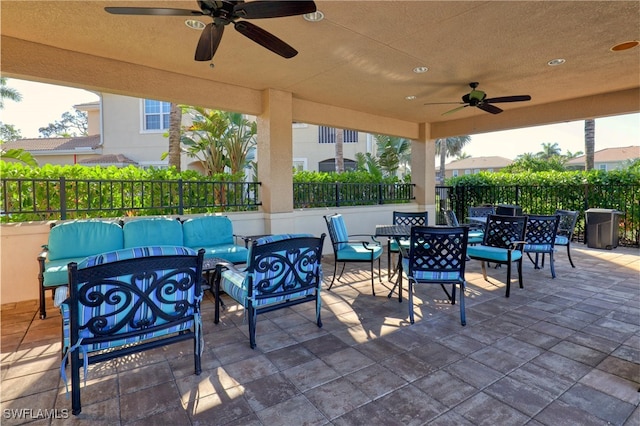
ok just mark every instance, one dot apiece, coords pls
pixel 175 122
pixel 443 157
pixel 589 143
pixel 339 155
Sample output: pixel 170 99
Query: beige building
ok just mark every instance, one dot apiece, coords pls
pixel 472 165
pixel 607 159
pixel 125 130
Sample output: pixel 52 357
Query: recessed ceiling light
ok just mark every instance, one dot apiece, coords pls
pixel 194 24
pixel 420 70
pixel 556 62
pixel 314 16
pixel 410 97
pixel 625 46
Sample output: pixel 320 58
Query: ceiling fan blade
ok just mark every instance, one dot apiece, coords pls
pixel 273 9
pixel 444 103
pixel 209 42
pixel 265 39
pixel 518 98
pixel 489 108
pixel 451 111
pixel 157 11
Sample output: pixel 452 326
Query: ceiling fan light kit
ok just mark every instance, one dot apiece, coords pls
pixel 478 99
pixel 225 12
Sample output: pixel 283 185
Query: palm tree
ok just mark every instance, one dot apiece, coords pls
pixel 8 93
pixel 549 150
pixel 175 123
pixel 449 147
pixel 339 157
pixel 589 143
pixel 462 156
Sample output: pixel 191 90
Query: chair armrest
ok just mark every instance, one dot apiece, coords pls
pixel 373 238
pixel 43 254
pixel 61 295
pixel 515 244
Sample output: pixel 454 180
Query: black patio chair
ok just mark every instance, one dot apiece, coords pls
pixel 541 238
pixel 408 219
pixel 503 244
pixel 437 255
pixel 566 227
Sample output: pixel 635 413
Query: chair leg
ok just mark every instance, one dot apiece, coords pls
pixel 520 273
pixel 318 308
pixel 410 301
pixel 508 279
pixel 463 315
pixel 484 270
pixel 252 326
pixel 43 304
pixel 551 266
pixel 373 290
pixel 569 255
pixel 389 259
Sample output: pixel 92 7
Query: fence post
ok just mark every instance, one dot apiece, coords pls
pixel 63 198
pixel 380 200
pixel 517 195
pixel 337 194
pixel 180 198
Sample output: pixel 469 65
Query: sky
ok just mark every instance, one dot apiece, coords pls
pixel 43 104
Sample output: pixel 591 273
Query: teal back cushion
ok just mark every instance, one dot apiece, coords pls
pixel 83 238
pixel 207 231
pixel 153 232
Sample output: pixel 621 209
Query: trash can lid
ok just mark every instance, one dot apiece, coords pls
pixel 599 210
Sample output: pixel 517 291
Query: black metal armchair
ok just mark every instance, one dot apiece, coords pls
pixel 566 227
pixel 540 238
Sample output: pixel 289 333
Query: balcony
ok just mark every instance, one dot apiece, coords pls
pixel 559 350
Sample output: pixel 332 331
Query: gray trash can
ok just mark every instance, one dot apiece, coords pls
pixel 602 228
pixel 509 210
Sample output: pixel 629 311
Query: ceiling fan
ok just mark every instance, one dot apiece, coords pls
pixel 477 98
pixel 225 12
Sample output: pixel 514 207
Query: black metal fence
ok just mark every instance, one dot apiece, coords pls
pixel 537 199
pixel 63 198
pixel 336 194
pixel 52 199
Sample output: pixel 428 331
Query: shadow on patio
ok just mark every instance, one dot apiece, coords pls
pixel 558 351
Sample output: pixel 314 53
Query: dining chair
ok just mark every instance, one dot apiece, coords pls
pixel 502 244
pixel 408 219
pixel 354 251
pixel 476 230
pixel 436 255
pixel 540 239
pixel 566 227
pixel 481 211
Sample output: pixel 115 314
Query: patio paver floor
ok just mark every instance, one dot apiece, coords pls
pixel 563 351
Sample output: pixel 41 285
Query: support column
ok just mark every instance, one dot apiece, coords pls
pixel 423 170
pixel 275 160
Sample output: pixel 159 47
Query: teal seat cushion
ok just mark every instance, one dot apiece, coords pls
pixel 393 245
pixel 562 240
pixel 538 248
pixel 83 238
pixel 229 252
pixel 56 273
pixel 207 231
pixel 357 251
pixel 431 276
pixel 153 232
pixel 493 254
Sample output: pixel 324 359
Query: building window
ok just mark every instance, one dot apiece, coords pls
pixel 476 171
pixel 156 115
pixel 602 167
pixel 328 135
pixel 299 164
pixel 329 165
pixel 467 171
pixel 490 170
pixel 455 173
